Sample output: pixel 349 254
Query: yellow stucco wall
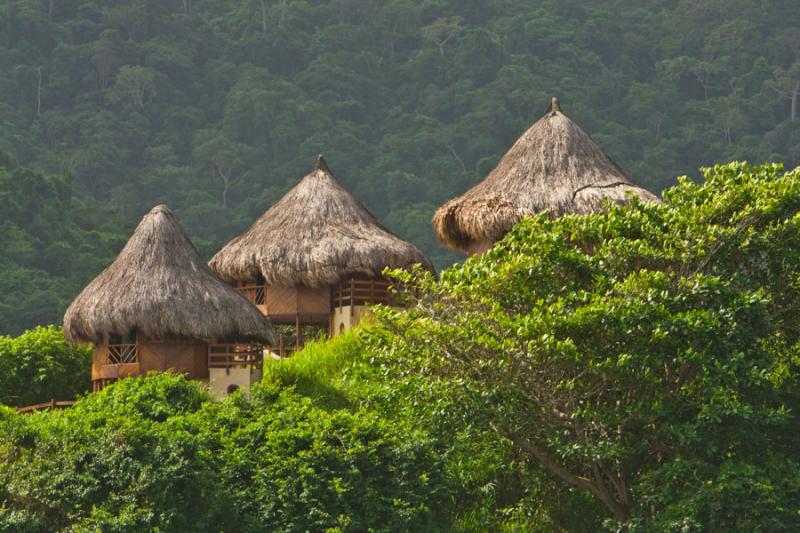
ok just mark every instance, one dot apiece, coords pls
pixel 220 379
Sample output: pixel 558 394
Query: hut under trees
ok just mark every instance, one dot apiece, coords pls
pixel 159 307
pixel 314 260
pixel 554 166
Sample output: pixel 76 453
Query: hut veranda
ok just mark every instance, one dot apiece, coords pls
pixel 554 166
pixel 313 262
pixel 159 307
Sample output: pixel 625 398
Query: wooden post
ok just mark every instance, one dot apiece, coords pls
pixel 352 299
pixel 298 332
pixel 331 310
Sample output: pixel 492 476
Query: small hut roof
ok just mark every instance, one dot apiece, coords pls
pixel 554 166
pixel 316 235
pixel 160 287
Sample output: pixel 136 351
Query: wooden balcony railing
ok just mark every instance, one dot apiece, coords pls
pixel 121 354
pixel 234 355
pixel 362 292
pixel 257 294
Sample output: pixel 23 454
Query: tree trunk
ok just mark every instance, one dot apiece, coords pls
pixel 264 16
pixel 282 16
pixel 50 9
pixel 795 95
pixel 187 7
pixel 617 501
pixel 226 182
pixel 659 121
pixel 39 93
pixel 455 155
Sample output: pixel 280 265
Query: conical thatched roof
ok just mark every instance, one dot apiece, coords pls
pixel 160 287
pixel 554 166
pixel 316 235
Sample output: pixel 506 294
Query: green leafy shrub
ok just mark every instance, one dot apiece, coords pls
pixel 155 453
pixel 40 365
pixel 487 489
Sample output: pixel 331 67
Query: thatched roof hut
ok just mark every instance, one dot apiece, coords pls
pixel 554 166
pixel 316 235
pixel 160 287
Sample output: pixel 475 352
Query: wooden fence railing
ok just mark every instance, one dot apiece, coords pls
pixel 234 355
pixel 52 404
pixel 361 292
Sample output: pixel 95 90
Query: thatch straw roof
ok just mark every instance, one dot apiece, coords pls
pixel 554 166
pixel 316 235
pixel 160 287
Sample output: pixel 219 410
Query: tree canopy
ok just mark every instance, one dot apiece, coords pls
pixel 647 355
pixel 216 108
pixel 39 366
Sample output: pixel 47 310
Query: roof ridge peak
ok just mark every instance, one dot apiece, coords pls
pixel 322 165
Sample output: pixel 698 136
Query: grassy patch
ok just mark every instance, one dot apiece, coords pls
pixel 322 371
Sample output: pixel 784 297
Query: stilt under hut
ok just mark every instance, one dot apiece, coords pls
pixel 554 166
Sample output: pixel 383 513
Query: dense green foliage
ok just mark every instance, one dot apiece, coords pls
pixel 40 365
pixel 154 454
pixel 50 246
pixel 217 107
pixel 487 489
pixel 647 355
pixel 635 369
pixel 327 441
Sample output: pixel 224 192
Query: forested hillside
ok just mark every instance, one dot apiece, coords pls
pixel 218 107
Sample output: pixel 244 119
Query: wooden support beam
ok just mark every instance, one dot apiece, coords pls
pixel 298 332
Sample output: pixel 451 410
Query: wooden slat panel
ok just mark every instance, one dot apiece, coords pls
pixel 184 356
pixel 313 301
pixel 281 301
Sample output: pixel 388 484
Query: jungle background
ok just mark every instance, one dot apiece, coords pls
pixel 217 108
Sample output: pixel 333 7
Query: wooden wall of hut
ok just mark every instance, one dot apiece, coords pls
pixel 283 305
pixel 183 356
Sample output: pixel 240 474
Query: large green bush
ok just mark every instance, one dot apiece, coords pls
pixel 40 365
pixel 488 490
pixel 646 355
pixel 155 454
